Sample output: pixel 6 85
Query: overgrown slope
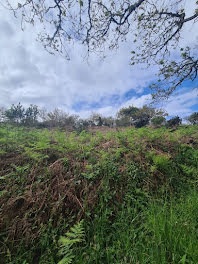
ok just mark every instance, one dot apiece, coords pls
pixel 134 189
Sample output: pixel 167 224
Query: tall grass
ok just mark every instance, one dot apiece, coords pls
pixel 158 233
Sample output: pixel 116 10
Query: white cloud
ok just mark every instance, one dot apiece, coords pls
pixel 28 74
pixel 138 101
pixel 181 104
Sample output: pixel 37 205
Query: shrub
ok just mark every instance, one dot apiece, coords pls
pixel 174 122
pixel 158 121
pixel 193 118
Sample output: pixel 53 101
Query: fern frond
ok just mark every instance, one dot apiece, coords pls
pixel 76 232
pixel 67 259
pixel 75 235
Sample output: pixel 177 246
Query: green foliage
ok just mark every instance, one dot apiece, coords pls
pixel 95 120
pixel 174 122
pixel 31 115
pixel 158 121
pixel 15 113
pixel 108 121
pixel 139 117
pixel 58 118
pixel 162 162
pixel 173 231
pixel 193 118
pixel 128 186
pixel 74 236
pixel 19 115
pixel 128 111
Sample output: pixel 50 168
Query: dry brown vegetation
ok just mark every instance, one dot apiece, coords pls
pixel 71 172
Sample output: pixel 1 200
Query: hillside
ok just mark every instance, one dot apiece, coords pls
pixel 130 195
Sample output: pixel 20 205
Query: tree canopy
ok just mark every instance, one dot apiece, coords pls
pixel 138 116
pixel 193 118
pixel 174 122
pixel 155 27
pixel 19 115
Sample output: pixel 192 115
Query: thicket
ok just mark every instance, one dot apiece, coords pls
pixel 32 116
pixel 125 196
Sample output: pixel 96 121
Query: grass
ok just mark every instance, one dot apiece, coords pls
pixel 132 192
pixel 159 233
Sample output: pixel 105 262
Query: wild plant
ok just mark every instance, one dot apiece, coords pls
pixel 74 236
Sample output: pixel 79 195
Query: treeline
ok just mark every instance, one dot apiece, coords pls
pixel 32 116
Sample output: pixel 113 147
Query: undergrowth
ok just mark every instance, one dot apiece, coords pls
pixel 127 196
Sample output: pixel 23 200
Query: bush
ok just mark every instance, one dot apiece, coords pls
pixel 142 121
pixel 193 118
pixel 158 121
pixel 174 122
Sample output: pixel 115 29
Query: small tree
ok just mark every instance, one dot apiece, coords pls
pixel 126 115
pixel 127 111
pixel 158 121
pixel 138 117
pixel 31 115
pixel 143 116
pixel 108 121
pixel 123 121
pixel 96 120
pixel 15 114
pixel 174 122
pixel 81 124
pixel 57 118
pixel 193 118
pixel 100 121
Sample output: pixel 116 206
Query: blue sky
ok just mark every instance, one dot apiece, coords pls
pixel 28 74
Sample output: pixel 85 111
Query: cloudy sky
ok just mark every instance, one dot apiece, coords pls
pixel 28 74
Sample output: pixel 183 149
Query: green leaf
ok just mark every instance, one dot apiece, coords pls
pixel 81 2
pixel 3 177
pixel 75 235
pixel 2 193
pixel 183 260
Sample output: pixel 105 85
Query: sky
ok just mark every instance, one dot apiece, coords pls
pixel 30 75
